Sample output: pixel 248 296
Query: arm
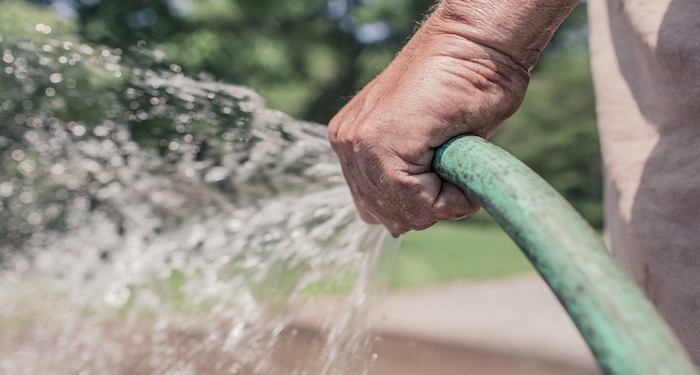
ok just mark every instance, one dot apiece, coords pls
pixel 465 71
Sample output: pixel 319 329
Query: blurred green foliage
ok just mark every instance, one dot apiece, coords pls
pixel 308 57
pixel 448 252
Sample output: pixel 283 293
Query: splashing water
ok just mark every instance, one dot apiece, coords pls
pixel 155 223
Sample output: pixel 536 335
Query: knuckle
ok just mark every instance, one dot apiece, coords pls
pixel 365 137
pixel 333 131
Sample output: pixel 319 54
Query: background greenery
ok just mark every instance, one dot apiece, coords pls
pixel 308 57
pixel 451 251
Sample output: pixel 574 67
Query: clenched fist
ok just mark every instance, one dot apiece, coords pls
pixel 464 72
pixel 439 86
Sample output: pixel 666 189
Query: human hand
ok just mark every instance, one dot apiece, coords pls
pixel 442 84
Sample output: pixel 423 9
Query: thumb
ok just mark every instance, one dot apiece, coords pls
pixel 453 204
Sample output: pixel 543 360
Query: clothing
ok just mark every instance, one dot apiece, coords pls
pixel 646 71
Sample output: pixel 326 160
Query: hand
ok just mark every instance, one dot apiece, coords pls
pixel 441 85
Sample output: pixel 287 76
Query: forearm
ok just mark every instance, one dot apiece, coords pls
pixel 520 29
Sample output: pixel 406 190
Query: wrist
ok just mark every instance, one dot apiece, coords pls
pixel 479 87
pixel 518 29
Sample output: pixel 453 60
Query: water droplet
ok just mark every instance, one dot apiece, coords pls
pixel 44 61
pixel 84 48
pixel 78 130
pixel 186 97
pixel 116 161
pixel 56 78
pixel 8 105
pixel 31 136
pixel 216 174
pixel 50 91
pixel 6 189
pixel 100 131
pixel 20 73
pixel 34 218
pixel 247 107
pixel 117 295
pixel 22 265
pixel 57 169
pixel 7 57
pixel 21 62
pixel 26 167
pixel 17 155
pixel 61 194
pixel 26 197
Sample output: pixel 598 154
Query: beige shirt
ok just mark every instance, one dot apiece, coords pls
pixel 646 70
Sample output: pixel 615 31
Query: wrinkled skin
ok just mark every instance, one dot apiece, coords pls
pixel 442 84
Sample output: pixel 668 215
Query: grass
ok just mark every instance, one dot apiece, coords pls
pixel 451 251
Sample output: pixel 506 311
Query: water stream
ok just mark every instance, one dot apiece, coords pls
pixel 158 223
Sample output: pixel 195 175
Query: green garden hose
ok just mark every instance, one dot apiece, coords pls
pixel 622 328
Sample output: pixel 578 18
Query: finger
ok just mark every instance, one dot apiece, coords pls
pixel 348 117
pixel 360 204
pixel 396 229
pixel 453 204
pixel 409 205
pixel 347 166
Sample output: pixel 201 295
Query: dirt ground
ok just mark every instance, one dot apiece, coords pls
pixel 507 327
pixel 401 357
pixel 296 352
